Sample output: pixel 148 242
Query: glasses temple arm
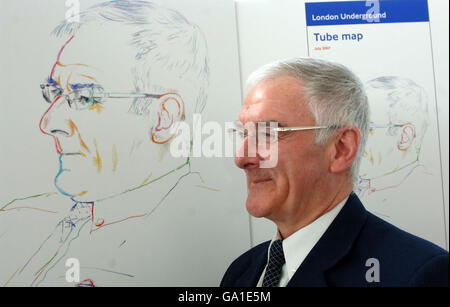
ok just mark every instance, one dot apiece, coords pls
pixel 126 95
pixel 282 129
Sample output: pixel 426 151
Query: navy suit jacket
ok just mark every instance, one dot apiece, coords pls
pixel 339 257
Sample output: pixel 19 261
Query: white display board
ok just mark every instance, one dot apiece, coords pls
pixel 91 183
pixel 401 168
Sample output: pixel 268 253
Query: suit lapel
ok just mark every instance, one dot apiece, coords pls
pixel 251 276
pixel 334 244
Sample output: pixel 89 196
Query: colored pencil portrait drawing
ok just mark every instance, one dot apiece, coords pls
pixel 125 74
pixel 398 125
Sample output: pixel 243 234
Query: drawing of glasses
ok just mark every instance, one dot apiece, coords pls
pixel 83 98
pixel 392 128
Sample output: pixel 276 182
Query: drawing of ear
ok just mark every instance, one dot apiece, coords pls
pixel 170 114
pixel 407 137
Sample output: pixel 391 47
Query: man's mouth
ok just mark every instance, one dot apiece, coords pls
pixel 260 181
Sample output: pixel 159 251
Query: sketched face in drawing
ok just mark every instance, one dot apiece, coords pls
pixel 110 126
pixel 398 124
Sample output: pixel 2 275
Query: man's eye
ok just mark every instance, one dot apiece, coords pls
pixel 267 133
pixel 240 133
pixel 82 102
pixel 393 130
pixel 88 100
pixel 84 99
pixel 264 135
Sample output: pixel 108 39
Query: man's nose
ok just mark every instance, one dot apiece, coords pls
pixel 247 156
pixel 54 120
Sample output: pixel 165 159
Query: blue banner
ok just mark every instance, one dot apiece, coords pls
pixel 364 12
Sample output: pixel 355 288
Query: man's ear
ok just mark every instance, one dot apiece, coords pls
pixel 344 149
pixel 170 112
pixel 407 137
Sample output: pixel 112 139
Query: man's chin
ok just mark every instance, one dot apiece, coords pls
pixel 69 189
pixel 256 208
pixel 87 191
pixel 79 196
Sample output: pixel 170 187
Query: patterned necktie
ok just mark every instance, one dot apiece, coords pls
pixel 276 261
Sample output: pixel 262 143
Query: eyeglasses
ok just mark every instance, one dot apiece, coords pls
pixel 392 129
pixel 261 133
pixel 83 98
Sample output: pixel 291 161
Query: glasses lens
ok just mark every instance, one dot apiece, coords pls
pixel 257 133
pixel 393 130
pixel 236 133
pixel 81 99
pixel 266 134
pixel 263 137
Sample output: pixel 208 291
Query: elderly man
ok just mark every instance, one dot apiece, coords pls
pixel 325 237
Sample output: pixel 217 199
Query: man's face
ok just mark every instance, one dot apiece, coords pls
pixel 289 186
pixel 103 149
pixel 391 140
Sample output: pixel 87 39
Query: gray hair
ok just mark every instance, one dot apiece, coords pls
pixel 333 93
pixel 163 39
